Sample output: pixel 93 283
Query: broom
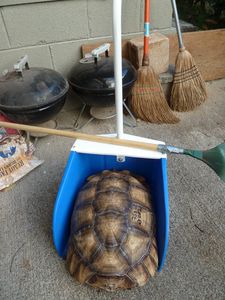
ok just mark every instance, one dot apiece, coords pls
pixel 148 101
pixel 189 89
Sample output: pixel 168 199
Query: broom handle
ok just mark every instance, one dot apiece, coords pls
pixel 145 61
pixel 82 136
pixel 180 39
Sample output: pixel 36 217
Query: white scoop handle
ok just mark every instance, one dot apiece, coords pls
pixel 117 14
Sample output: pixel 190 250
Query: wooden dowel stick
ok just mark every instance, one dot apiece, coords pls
pixel 81 136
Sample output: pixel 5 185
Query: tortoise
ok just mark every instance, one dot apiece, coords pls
pixel 112 243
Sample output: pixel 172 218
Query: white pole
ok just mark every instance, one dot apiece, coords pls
pixel 117 15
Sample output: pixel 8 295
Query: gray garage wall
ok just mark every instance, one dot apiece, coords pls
pixel 51 32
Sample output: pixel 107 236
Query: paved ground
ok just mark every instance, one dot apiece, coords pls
pixel 195 266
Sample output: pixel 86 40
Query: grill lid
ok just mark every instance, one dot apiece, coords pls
pixel 98 75
pixel 31 87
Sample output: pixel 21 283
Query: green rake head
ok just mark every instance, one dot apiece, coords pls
pixel 215 158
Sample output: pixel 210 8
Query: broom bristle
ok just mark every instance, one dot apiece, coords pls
pixel 148 101
pixel 189 89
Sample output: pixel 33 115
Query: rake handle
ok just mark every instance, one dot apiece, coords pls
pixel 145 61
pixel 81 136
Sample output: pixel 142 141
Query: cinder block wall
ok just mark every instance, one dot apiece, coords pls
pixel 51 32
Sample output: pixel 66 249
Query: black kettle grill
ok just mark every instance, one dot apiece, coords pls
pixel 92 79
pixel 32 95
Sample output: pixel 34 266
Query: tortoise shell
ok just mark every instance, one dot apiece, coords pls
pixel 112 242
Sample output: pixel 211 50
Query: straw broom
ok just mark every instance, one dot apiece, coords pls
pixel 189 89
pixel 148 101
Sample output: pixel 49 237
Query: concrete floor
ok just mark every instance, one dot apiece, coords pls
pixel 195 265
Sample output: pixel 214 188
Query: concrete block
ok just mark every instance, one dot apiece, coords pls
pixel 168 31
pixel 166 80
pixel 158 54
pixel 161 14
pixel 131 16
pixel 100 17
pixel 65 55
pixel 48 22
pixel 4 42
pixel 38 57
pixel 15 2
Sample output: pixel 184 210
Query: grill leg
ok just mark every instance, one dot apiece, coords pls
pixel 76 124
pixel 134 121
